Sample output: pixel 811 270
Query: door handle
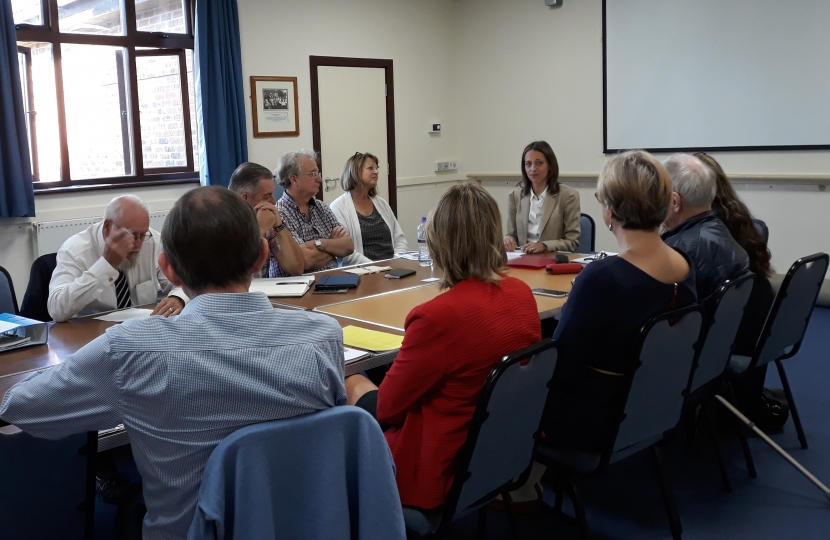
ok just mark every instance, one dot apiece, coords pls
pixel 327 180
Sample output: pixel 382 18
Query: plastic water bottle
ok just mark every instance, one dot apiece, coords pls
pixel 423 252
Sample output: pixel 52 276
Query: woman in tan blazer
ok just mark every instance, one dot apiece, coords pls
pixel 542 214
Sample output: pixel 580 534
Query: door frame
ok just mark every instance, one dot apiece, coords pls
pixel 386 65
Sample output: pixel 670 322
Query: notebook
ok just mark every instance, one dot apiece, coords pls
pixel 338 282
pixel 283 287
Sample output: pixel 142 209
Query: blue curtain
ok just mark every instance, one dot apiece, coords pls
pixel 16 193
pixel 219 97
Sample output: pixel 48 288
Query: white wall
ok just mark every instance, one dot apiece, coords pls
pixel 279 37
pixel 17 237
pixel 528 72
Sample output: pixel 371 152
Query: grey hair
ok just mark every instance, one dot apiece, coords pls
pixel 289 165
pixel 115 209
pixel 692 179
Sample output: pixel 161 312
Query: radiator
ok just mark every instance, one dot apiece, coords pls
pixel 52 234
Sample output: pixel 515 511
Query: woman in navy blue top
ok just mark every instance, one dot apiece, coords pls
pixel 611 300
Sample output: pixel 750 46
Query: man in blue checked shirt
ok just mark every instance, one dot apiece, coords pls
pixel 182 384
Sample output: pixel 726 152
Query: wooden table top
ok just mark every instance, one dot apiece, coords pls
pixel 391 309
pixel 377 304
pixel 370 284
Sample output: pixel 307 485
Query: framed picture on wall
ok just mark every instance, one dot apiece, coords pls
pixel 274 106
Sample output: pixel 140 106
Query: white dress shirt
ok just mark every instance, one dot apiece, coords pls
pixel 83 282
pixel 534 218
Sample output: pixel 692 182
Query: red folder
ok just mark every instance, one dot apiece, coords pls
pixel 531 262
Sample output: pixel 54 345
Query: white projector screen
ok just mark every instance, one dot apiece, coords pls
pixel 716 74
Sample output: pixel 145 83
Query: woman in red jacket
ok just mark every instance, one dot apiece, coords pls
pixel 451 343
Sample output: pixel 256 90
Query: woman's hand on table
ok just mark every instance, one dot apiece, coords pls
pixel 534 247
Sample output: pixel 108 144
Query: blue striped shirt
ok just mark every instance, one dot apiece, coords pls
pixel 181 385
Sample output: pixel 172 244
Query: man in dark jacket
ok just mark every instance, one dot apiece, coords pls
pixel 693 227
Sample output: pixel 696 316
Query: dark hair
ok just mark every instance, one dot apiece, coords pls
pixel 203 221
pixel 738 219
pixel 553 167
pixel 246 177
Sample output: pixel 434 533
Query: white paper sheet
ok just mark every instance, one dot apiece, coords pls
pixel 125 315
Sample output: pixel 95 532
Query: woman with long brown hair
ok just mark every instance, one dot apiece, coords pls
pixel 542 214
pixel 738 219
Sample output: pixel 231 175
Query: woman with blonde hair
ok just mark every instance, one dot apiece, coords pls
pixel 451 343
pixel 610 301
pixel 367 218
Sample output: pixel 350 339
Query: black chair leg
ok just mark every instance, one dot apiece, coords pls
pixel 789 393
pixel 511 517
pixel 707 418
pixel 579 509
pixel 750 463
pixel 482 522
pixel 668 497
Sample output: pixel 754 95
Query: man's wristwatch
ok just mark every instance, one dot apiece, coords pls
pixel 319 245
pixel 281 227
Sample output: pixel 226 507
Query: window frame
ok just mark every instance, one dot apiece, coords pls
pixel 161 44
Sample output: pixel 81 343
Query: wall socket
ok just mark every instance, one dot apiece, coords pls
pixel 444 166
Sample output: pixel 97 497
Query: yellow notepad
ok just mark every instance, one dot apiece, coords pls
pixel 370 340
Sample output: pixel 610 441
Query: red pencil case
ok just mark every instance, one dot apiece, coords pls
pixel 564 268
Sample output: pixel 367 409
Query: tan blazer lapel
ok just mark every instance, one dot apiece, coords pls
pixel 551 205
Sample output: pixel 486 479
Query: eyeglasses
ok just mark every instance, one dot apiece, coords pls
pixel 140 237
pixel 313 174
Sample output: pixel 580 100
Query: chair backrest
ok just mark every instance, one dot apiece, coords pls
pixel 587 235
pixel 762 228
pixel 499 447
pixel 725 315
pixel 35 300
pixel 8 301
pixel 328 474
pixel 278 191
pixel 45 485
pixel 659 384
pixel 791 310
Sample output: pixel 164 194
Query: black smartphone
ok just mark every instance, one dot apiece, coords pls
pixel 550 292
pixel 329 291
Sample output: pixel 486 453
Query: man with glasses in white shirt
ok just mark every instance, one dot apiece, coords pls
pixel 312 223
pixel 112 264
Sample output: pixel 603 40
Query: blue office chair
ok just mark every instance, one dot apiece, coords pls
pixel 762 229
pixel 786 325
pixel 48 487
pixel 278 191
pixel 8 301
pixel 587 235
pixel 655 389
pixel 498 452
pixel 323 475
pixel 726 312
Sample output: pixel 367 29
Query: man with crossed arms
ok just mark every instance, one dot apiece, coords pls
pixel 320 236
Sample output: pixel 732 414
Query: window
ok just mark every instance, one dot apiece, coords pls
pixel 108 90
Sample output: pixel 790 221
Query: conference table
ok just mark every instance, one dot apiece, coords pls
pixel 378 303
